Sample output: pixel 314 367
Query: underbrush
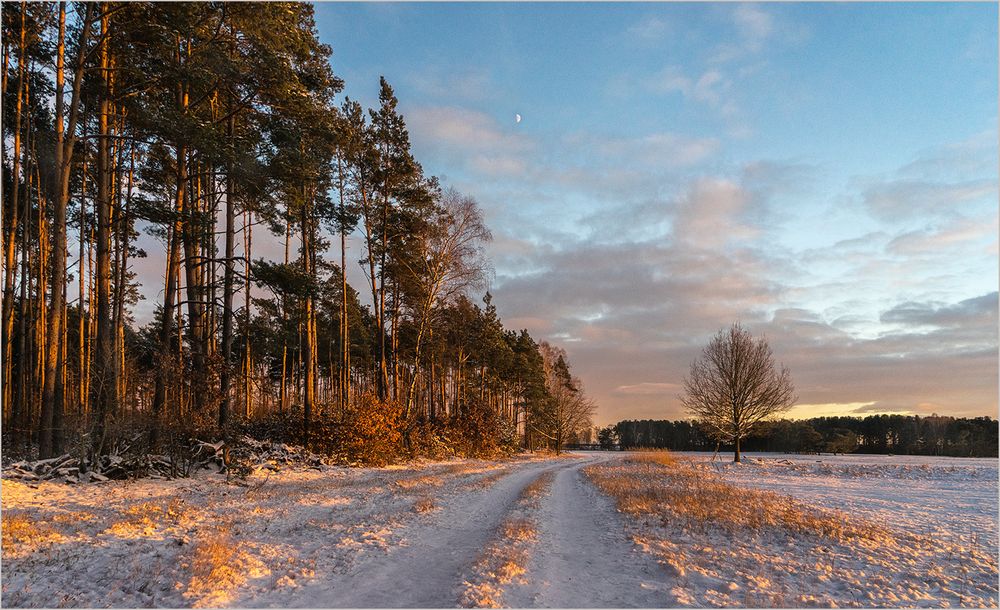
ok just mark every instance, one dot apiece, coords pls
pixel 659 484
pixel 374 432
pixel 371 432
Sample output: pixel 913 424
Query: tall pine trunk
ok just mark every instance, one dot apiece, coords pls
pixel 10 235
pixel 227 289
pixel 105 371
pixel 173 268
pixel 309 354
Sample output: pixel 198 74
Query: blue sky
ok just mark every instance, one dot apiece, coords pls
pixel 824 173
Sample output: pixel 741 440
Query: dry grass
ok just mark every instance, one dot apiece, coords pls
pixel 658 484
pixel 506 558
pixel 537 489
pixel 143 519
pixel 428 480
pixel 218 568
pixel 518 530
pixel 487 481
pixel 460 469
pixel 482 595
pixel 424 505
pixel 655 456
pixel 501 564
pixel 22 534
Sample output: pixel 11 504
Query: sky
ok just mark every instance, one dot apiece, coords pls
pixel 823 173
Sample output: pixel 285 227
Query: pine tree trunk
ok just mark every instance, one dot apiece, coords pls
pixel 192 281
pixel 308 353
pixel 105 371
pixel 82 322
pixel 227 290
pixel 247 248
pixel 10 232
pixel 57 276
pixel 345 329
pixel 173 268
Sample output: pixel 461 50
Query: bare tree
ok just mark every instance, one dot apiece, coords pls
pixel 735 385
pixel 567 409
pixel 447 258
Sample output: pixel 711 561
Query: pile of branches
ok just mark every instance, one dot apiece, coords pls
pixel 250 456
pixel 240 458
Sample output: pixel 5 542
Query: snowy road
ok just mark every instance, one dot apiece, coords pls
pixel 581 550
pixel 584 557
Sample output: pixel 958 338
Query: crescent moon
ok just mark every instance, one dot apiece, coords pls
pixel 517 118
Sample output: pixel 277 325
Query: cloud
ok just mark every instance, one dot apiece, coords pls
pixel 753 27
pixel 953 180
pixel 979 311
pixel 468 130
pixel 900 199
pixel 754 24
pixel 647 388
pixel 460 137
pixel 632 251
pixel 648 30
pixel 711 87
pixel 970 158
pixel 655 150
pixel 935 240
pixel 451 83
pixel 709 216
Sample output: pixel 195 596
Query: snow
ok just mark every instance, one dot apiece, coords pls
pixel 940 514
pixel 421 535
pixel 938 496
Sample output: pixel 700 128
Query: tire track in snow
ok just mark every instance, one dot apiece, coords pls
pixel 583 557
pixel 427 570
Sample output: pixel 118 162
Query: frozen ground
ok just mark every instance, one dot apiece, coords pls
pixel 392 537
pixel 933 543
pixel 525 532
pixel 949 498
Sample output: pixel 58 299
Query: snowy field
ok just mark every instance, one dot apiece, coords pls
pixel 955 498
pixel 528 532
pixel 922 533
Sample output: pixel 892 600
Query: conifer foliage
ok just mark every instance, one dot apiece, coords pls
pixel 209 126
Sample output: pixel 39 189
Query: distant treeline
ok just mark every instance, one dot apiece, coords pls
pixel 898 434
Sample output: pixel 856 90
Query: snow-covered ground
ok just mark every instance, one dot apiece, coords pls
pixel 936 544
pixel 532 531
pixel 391 537
pixel 941 496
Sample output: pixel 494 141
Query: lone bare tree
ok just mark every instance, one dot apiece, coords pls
pixel 735 385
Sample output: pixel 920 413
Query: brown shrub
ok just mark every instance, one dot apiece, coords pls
pixel 371 432
pixel 479 431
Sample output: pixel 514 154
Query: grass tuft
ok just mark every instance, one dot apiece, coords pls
pixel 424 505
pixel 21 534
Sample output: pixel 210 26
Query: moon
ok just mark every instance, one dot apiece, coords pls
pixel 517 118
